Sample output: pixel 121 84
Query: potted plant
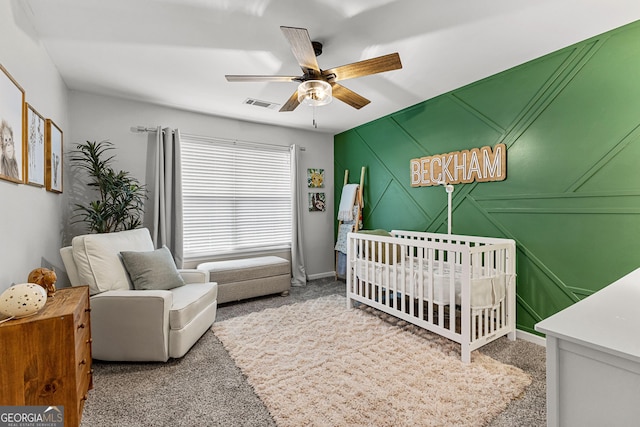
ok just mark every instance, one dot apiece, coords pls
pixel 120 196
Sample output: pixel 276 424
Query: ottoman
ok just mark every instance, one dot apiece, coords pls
pixel 249 277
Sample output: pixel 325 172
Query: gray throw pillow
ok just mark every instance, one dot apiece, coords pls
pixel 152 270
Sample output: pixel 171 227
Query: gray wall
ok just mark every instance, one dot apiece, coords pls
pixel 31 220
pixel 96 118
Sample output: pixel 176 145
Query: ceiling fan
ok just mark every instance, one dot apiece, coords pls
pixel 316 82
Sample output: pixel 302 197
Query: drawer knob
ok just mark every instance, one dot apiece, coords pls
pixel 90 340
pixel 81 326
pixel 83 362
pixel 87 310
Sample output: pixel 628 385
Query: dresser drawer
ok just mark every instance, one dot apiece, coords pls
pixel 81 315
pixel 83 343
pixel 84 383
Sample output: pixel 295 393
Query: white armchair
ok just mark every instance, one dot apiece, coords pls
pixel 128 324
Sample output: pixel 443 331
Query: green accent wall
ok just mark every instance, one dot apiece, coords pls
pixel 571 199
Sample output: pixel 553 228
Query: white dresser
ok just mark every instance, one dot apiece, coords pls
pixel 593 358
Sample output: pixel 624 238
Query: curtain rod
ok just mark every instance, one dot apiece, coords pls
pixel 143 129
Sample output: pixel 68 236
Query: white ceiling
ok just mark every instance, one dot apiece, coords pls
pixel 177 52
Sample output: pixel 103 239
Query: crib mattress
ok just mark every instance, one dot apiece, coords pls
pixel 487 290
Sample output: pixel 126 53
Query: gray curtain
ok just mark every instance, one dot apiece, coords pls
pixel 167 194
pixel 299 275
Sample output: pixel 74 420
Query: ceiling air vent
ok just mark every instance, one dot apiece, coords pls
pixel 263 104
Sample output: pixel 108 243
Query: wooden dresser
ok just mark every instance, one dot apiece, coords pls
pixel 45 359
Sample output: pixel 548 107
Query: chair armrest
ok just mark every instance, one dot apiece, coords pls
pixel 194 276
pixel 70 265
pixel 131 325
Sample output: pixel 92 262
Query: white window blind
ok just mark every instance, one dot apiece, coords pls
pixel 236 197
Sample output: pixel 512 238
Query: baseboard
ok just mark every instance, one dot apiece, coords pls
pixel 528 336
pixel 321 275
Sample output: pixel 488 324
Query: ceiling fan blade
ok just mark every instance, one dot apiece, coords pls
pixel 364 68
pixel 291 103
pixel 348 96
pixel 302 49
pixel 249 78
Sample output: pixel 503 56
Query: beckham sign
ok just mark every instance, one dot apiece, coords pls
pixel 478 164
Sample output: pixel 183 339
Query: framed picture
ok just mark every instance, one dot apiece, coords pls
pixel 35 147
pixel 53 157
pixel 12 141
pixel 316 202
pixel 315 178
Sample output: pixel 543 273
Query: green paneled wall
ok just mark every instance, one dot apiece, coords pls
pixel 571 200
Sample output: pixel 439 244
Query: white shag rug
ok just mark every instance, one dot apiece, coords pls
pixel 318 363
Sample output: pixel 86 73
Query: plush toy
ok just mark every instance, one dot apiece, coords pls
pixel 45 278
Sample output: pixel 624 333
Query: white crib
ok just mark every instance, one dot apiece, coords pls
pixel 460 287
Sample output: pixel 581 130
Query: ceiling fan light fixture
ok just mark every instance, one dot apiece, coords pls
pixel 314 93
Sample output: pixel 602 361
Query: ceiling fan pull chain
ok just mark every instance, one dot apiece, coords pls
pixel 315 124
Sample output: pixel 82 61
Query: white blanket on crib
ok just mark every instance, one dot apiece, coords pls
pixel 486 290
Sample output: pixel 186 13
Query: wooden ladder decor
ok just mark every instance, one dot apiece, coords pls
pixel 359 203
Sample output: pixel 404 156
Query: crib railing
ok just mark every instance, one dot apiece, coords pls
pixel 460 287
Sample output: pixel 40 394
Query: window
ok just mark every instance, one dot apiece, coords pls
pixel 236 197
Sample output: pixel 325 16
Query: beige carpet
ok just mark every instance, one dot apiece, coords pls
pixel 318 363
